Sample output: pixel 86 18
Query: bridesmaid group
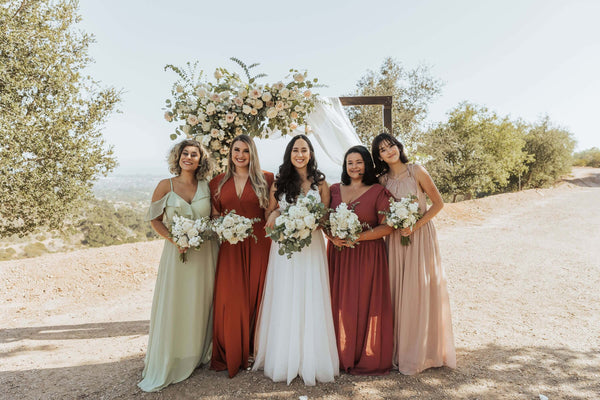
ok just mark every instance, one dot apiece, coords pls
pixel 363 307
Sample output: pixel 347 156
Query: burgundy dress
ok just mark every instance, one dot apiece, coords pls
pixel 239 280
pixel 360 292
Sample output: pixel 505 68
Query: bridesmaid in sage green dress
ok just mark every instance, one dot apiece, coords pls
pixel 181 321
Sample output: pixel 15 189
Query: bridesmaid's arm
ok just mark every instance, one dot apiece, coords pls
pixel 424 180
pixel 325 193
pixel 272 212
pixel 157 224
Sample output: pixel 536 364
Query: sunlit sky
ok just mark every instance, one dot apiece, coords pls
pixel 519 58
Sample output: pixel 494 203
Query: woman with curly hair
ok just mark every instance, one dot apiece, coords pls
pixel 241 267
pixel 422 324
pixel 295 334
pixel 181 319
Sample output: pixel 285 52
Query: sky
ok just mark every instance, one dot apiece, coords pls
pixel 520 58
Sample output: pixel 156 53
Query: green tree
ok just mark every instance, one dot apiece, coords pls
pixel 412 91
pixel 474 152
pixel 51 146
pixel 587 158
pixel 551 150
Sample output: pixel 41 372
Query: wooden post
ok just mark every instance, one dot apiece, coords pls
pixel 385 101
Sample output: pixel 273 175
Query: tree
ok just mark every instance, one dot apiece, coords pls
pixel 51 147
pixel 551 149
pixel 412 91
pixel 587 158
pixel 474 152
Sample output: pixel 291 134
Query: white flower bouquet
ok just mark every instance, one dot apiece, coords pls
pixel 190 233
pixel 215 112
pixel 294 227
pixel 234 228
pixel 403 213
pixel 344 223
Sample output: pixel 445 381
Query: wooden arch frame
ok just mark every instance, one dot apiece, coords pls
pixel 385 101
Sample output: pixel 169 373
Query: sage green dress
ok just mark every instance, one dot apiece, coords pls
pixel 180 336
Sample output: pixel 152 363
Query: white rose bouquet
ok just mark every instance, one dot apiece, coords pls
pixel 403 213
pixel 234 228
pixel 344 223
pixel 215 112
pixel 190 233
pixel 294 227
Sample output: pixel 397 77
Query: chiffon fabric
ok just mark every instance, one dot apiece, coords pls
pixel 241 271
pixel 423 326
pixel 295 334
pixel 360 291
pixel 181 318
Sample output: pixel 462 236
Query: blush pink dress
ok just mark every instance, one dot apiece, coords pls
pixel 422 323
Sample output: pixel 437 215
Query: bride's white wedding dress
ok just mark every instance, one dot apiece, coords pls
pixel 295 334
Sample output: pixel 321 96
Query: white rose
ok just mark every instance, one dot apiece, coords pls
pixel 205 140
pixel 187 129
pixel 179 89
pixel 299 77
pixel 215 145
pixel 246 109
pixel 293 126
pixel 230 117
pixel 194 242
pixel 210 109
pixel 228 235
pixel 254 93
pixel 290 225
pixel 215 97
pixel 192 120
pixel 294 115
pixel 183 242
pixel 201 92
pixel 218 74
pixel 243 93
pixel 279 105
pixel 280 220
pixel 254 111
pixel 266 96
pixel 285 93
pixel 304 233
pixel 169 116
pixel 238 101
pixel 258 104
pixel 271 112
pixel 206 126
pixel 214 132
pixel 307 93
pixel 309 220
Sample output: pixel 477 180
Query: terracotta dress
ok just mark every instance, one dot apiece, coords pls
pixel 422 327
pixel 241 271
pixel 360 292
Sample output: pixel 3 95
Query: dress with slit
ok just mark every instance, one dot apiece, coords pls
pixel 422 323
pixel 180 334
pixel 239 281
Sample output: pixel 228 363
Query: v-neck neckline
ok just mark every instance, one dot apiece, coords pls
pixel 189 203
pixel 243 188
pixel 355 200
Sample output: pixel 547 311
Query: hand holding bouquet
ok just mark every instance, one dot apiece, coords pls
pixel 294 227
pixel 190 233
pixel 344 224
pixel 403 213
pixel 234 228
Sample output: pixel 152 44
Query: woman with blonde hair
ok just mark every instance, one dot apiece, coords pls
pixel 241 267
pixel 181 320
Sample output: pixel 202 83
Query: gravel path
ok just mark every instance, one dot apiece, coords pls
pixel 524 277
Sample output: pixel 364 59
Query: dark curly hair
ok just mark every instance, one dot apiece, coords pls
pixel 287 181
pixel 369 177
pixel 205 166
pixel 381 166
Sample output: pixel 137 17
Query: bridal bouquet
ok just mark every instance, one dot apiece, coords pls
pixel 403 213
pixel 215 112
pixel 294 227
pixel 234 228
pixel 190 233
pixel 344 223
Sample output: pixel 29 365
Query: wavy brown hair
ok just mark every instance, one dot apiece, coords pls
pixel 205 165
pixel 257 178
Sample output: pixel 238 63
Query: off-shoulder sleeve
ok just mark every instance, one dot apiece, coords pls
pixel 156 208
pixel 383 202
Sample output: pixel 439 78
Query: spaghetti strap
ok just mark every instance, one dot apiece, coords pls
pixel 171 182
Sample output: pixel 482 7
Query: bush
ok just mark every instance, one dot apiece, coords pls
pixel 7 254
pixel 587 158
pixel 35 249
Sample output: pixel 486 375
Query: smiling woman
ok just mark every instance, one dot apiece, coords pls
pixel 181 320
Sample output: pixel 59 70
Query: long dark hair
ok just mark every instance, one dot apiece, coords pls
pixel 287 180
pixel 381 166
pixel 369 177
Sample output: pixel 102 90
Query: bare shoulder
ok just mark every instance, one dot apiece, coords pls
pixel 163 187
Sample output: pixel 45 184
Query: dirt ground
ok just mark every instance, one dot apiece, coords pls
pixel 524 281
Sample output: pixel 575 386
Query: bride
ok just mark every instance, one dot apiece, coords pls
pixel 295 334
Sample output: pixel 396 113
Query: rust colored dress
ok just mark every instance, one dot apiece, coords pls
pixel 239 281
pixel 360 292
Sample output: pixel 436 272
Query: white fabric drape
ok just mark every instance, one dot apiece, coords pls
pixel 332 134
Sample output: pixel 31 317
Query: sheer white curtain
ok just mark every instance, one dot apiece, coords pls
pixel 332 134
